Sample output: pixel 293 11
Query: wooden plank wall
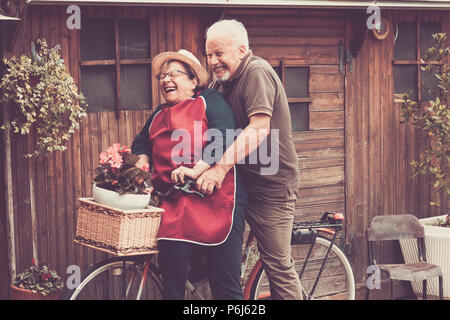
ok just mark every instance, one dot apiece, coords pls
pixel 63 177
pixel 367 143
pixel 4 262
pixel 309 38
pixel 378 148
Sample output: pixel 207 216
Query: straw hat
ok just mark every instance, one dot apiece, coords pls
pixel 186 57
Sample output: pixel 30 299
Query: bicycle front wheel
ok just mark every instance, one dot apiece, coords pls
pixel 119 279
pixel 336 282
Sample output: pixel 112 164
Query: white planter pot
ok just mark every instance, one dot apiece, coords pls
pixel 437 242
pixel 124 201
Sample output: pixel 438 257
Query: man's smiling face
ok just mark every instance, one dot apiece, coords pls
pixel 224 56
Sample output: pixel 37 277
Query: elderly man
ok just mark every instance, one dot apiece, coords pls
pixel 260 106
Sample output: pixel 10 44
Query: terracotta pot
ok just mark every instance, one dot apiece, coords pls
pixel 25 294
pixel 124 201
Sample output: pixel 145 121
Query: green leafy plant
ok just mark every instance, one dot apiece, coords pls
pixel 39 279
pixel 46 97
pixel 433 120
pixel 118 172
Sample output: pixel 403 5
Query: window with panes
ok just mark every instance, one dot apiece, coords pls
pixel 115 64
pixel 412 41
pixel 295 80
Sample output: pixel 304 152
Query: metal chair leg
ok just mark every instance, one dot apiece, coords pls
pixel 392 289
pixel 441 289
pixel 367 294
pixel 424 295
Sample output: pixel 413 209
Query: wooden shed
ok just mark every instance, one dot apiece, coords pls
pixel 341 82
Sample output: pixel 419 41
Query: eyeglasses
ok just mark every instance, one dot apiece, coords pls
pixel 172 74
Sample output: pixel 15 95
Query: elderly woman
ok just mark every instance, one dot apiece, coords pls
pixel 214 223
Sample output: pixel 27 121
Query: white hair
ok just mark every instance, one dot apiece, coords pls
pixel 231 28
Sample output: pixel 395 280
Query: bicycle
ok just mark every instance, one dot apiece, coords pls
pixel 323 268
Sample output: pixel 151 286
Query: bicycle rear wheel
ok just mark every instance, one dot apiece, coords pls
pixel 105 281
pixel 336 281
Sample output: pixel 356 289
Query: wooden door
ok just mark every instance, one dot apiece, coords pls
pixel 303 46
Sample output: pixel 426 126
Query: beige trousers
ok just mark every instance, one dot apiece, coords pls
pixel 272 226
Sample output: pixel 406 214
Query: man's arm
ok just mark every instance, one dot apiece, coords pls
pixel 249 140
pixel 220 117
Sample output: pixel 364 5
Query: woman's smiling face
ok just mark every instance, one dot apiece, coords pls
pixel 176 85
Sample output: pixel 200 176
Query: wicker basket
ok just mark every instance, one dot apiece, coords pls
pixel 116 231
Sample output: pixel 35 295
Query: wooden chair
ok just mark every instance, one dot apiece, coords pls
pixel 394 228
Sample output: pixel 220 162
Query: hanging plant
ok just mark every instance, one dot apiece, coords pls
pixel 46 97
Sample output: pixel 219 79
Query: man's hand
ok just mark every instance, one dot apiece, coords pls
pixel 211 178
pixel 179 173
pixel 259 125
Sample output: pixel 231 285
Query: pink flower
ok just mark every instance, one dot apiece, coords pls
pixel 104 158
pixel 111 151
pixel 45 276
pixel 124 149
pixel 110 172
pixel 112 156
pixel 116 146
pixel 116 161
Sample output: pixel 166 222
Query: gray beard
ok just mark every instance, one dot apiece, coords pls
pixel 225 77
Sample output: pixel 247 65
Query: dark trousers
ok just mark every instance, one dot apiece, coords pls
pixel 223 263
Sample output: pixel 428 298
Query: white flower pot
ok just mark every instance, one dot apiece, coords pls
pixel 124 201
pixel 437 242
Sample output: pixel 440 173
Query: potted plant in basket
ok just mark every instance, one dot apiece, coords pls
pixel 118 182
pixel 37 283
pixel 434 121
pixel 120 222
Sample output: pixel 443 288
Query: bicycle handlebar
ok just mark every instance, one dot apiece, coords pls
pixel 174 188
pixel 186 187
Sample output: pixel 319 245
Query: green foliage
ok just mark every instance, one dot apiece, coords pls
pixel 46 97
pixel 118 172
pixel 434 120
pixel 39 279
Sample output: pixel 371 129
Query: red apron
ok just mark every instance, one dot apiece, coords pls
pixel 188 217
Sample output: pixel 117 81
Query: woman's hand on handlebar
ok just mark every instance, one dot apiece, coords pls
pixel 143 161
